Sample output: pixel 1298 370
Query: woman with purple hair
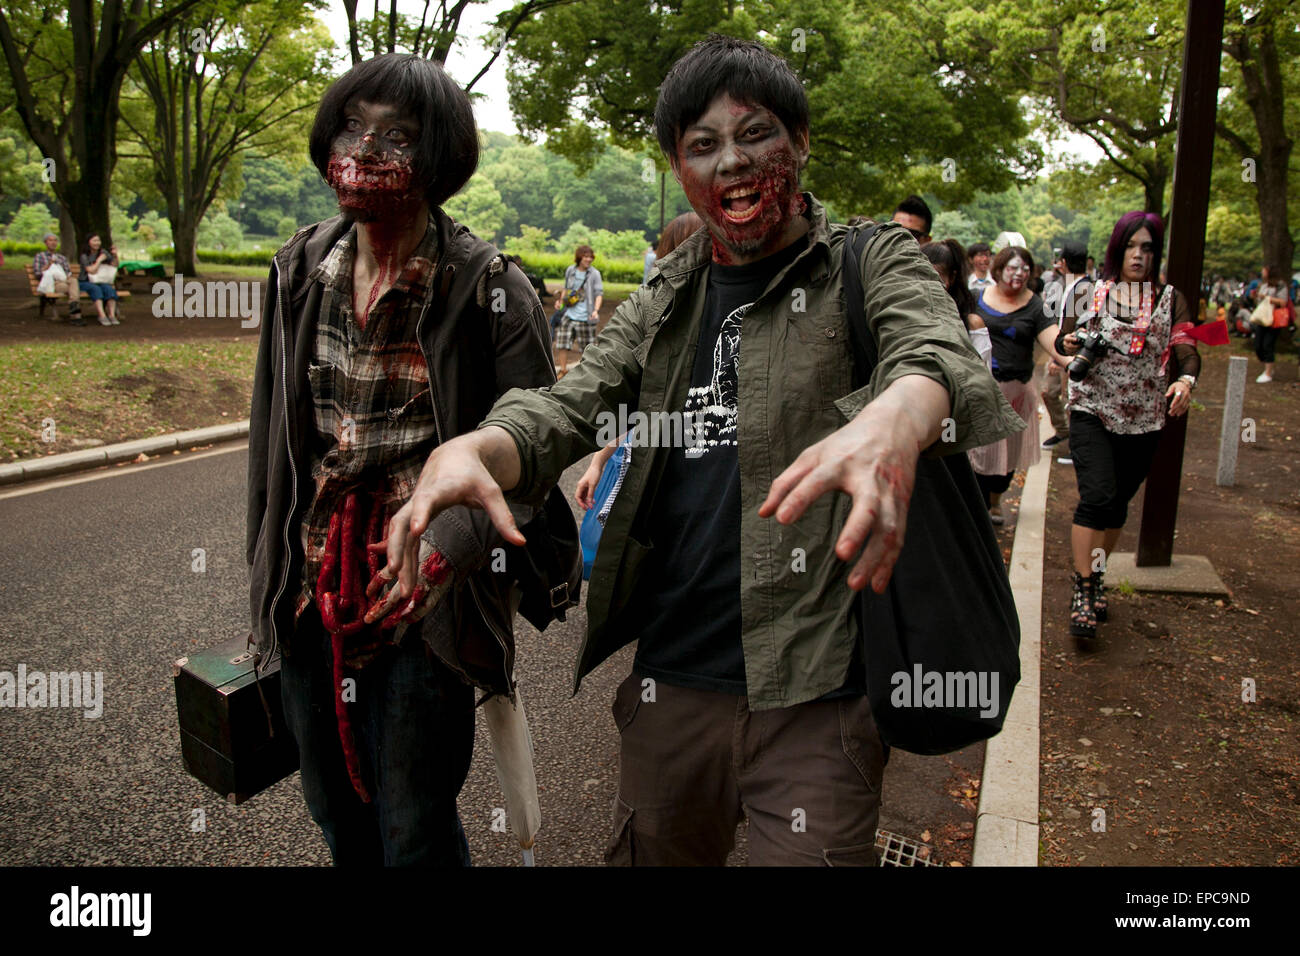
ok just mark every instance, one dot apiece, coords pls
pixel 1122 387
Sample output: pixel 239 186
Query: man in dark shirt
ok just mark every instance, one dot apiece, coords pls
pixel 743 699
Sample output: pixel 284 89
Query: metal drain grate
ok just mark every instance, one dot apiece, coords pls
pixel 898 850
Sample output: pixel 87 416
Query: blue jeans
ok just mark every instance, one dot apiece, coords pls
pixel 97 290
pixel 413 721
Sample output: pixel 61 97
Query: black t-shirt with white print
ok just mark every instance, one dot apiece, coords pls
pixel 687 604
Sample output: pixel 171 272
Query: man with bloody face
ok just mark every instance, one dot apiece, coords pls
pixel 389 330
pixel 731 556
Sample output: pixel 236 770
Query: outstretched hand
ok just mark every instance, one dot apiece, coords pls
pixel 464 471
pixel 872 459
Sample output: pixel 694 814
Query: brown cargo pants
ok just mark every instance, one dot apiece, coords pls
pixel 691 762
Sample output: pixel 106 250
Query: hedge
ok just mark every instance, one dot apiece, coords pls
pixel 11 247
pixel 553 264
pixel 247 257
pixel 544 264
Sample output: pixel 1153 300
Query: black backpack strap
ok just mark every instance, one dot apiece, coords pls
pixel 865 354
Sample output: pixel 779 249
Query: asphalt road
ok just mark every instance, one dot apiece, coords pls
pixel 97 575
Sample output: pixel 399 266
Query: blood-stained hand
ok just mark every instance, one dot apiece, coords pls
pixel 872 459
pixel 433 580
pixel 470 470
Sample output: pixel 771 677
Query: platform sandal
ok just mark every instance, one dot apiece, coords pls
pixel 1083 616
pixel 1099 595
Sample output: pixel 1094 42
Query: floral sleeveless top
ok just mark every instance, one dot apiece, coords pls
pixel 1127 390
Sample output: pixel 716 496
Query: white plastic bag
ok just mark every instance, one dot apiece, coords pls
pixel 51 275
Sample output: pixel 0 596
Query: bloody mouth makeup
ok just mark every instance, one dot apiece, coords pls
pixel 371 166
pixel 747 190
pixel 370 189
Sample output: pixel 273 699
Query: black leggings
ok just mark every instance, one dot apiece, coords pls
pixel 1266 343
pixel 1109 468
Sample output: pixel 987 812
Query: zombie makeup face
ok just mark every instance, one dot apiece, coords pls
pixel 1014 276
pixel 1138 256
pixel 739 167
pixel 371 165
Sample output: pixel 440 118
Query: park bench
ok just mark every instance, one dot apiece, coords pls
pixel 52 300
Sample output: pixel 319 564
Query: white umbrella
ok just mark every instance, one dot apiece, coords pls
pixel 512 746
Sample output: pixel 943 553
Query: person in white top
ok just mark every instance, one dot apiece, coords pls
pixel 980 256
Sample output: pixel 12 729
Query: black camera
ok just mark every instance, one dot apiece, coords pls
pixel 1092 347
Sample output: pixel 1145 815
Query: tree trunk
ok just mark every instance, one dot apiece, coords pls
pixel 185 229
pixel 1265 95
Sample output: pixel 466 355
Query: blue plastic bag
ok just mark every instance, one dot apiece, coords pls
pixel 594 521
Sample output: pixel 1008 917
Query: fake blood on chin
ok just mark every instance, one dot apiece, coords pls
pixel 379 198
pixel 749 215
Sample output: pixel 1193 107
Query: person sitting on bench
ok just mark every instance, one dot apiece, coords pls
pixel 58 287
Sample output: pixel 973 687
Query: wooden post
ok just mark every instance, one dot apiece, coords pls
pixel 1193 157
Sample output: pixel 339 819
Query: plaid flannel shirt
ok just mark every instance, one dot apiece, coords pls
pixel 373 411
pixel 44 259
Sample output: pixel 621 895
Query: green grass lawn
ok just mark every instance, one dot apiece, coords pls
pixel 117 391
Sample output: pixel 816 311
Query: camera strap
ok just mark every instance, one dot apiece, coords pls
pixel 1138 338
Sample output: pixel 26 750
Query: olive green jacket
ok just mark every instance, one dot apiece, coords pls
pixel 795 388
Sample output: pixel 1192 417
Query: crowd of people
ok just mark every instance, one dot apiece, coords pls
pixel 1119 361
pixel 429 444
pixel 1261 307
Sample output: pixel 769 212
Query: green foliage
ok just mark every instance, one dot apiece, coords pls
pixel 219 231
pixel 1232 240
pixel 530 240
pixel 154 228
pixel 234 77
pixel 954 224
pixel 31 222
pixel 120 222
pixel 12 247
pixel 1043 232
pixel 552 265
pixel 479 206
pixel 996 212
pixel 276 187
pixel 286 227
pixel 244 257
pixel 624 244
pixel 872 72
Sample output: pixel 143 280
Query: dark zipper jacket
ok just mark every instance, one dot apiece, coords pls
pixel 482 332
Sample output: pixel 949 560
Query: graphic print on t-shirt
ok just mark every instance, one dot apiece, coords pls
pixel 711 409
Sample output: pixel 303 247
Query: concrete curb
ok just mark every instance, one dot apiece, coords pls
pixel 1006 824
pixel 51 465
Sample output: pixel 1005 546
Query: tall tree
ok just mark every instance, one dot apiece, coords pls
pixel 1111 73
pixel 1263 47
pixel 227 78
pixel 67 67
pixel 577 71
pixel 388 31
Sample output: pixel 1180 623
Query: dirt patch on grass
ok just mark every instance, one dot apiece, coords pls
pixel 1146 730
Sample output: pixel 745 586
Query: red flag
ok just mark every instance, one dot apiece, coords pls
pixel 1209 333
